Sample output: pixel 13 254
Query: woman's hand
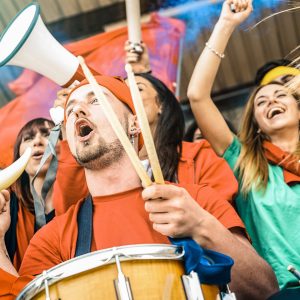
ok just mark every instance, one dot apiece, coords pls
pixel 140 62
pixel 242 10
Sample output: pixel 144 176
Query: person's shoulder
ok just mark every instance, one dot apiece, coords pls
pixel 191 150
pixel 70 213
pixel 58 226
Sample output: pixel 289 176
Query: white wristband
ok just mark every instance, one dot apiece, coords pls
pixel 220 55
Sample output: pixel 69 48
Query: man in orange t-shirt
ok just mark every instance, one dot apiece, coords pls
pixel 125 213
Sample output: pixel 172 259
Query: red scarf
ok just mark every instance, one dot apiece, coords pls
pixel 289 162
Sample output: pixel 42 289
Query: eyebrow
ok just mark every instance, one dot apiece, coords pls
pixel 264 96
pixel 138 82
pixel 70 103
pixel 88 95
pixel 278 91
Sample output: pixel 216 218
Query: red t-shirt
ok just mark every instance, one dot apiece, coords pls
pixel 118 220
pixel 24 232
pixel 198 164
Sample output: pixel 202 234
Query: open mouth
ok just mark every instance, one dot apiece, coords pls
pixel 83 129
pixel 37 154
pixel 275 111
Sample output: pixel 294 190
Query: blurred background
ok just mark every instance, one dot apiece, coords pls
pixel 72 20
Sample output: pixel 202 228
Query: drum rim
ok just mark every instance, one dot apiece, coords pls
pixel 35 286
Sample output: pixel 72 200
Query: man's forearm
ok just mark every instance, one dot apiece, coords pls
pixel 251 276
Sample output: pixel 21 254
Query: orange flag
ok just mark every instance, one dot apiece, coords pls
pixel 105 54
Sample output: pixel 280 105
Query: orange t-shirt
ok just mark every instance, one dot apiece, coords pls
pixel 70 184
pixel 118 220
pixel 24 232
pixel 198 164
pixel 10 285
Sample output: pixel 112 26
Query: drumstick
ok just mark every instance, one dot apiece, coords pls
pixel 116 125
pixel 144 124
pixel 293 85
pixel 133 16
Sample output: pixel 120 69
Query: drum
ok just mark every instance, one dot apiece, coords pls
pixel 128 272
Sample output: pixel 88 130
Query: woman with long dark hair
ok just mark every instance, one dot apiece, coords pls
pixel 166 122
pixel 265 155
pixel 34 134
pixel 181 162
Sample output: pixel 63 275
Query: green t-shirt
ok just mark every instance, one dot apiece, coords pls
pixel 272 218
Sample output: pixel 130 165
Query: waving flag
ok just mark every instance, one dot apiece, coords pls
pixel 105 54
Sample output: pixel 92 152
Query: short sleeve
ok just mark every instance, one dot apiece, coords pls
pixel 70 184
pixel 232 153
pixel 221 209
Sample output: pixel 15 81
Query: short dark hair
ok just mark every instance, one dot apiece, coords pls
pixel 263 70
pixel 189 135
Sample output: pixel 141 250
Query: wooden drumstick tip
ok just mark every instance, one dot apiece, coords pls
pixel 80 59
pixel 128 68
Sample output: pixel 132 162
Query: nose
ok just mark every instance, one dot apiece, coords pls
pixel 272 100
pixel 80 110
pixel 38 140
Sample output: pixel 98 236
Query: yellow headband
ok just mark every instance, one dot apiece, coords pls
pixel 277 72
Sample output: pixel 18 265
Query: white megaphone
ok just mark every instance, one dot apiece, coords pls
pixel 26 42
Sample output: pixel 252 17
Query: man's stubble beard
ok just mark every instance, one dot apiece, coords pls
pixel 100 155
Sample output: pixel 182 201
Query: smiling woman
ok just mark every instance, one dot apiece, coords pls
pixel 271 115
pixel 264 157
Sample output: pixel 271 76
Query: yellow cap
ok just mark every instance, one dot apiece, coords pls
pixel 277 72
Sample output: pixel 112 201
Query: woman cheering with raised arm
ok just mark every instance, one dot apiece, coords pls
pixel 265 157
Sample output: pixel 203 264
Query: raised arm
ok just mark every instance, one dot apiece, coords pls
pixel 70 184
pixel 207 115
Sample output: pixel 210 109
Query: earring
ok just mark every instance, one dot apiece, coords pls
pixel 132 139
pixel 258 131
